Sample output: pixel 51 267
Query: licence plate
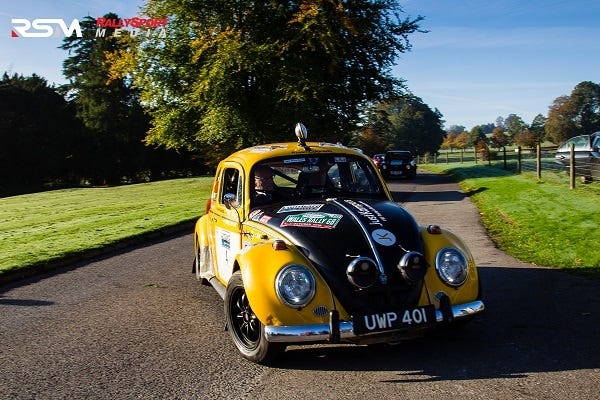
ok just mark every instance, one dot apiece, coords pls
pixel 391 320
pixel 396 172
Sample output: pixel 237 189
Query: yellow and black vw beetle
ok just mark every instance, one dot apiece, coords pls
pixel 305 245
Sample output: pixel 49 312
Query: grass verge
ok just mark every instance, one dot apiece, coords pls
pixel 40 228
pixel 540 222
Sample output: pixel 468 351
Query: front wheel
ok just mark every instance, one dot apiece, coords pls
pixel 246 330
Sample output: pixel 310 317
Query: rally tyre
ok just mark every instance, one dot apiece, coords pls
pixel 246 330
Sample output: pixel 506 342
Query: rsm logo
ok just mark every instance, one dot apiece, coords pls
pixel 44 27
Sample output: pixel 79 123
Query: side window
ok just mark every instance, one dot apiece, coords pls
pixel 581 143
pixel 232 185
pixel 596 143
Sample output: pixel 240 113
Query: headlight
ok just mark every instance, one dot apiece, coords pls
pixel 295 285
pixel 451 265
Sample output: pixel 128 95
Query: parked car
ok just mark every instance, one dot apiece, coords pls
pixel 398 163
pixel 378 159
pixel 586 152
pixel 304 244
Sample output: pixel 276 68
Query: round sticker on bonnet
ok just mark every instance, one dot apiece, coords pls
pixel 383 237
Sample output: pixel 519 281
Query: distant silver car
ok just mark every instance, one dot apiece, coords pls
pixel 587 154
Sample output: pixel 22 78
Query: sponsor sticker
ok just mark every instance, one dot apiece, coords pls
pixel 383 237
pixel 317 220
pixel 300 207
pixel 294 160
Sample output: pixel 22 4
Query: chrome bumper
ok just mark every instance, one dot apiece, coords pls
pixel 322 332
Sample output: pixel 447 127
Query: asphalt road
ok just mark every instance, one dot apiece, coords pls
pixel 136 325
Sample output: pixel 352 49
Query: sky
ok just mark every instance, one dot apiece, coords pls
pixel 479 59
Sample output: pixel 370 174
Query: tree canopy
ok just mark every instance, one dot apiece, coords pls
pixel 234 73
pixel 41 139
pixel 573 115
pixel 406 123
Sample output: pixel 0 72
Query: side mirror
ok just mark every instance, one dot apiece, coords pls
pixel 229 199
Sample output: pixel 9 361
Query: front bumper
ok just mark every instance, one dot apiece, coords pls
pixel 323 332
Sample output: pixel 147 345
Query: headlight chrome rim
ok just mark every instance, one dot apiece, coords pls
pixel 362 273
pixel 452 266
pixel 295 285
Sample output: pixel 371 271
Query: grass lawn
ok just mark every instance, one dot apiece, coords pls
pixel 544 223
pixel 42 227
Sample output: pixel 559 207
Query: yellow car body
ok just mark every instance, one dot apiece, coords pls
pixel 338 263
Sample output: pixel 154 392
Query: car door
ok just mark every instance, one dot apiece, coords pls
pixel 595 156
pixel 225 214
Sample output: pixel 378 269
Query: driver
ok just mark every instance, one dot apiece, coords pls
pixel 264 187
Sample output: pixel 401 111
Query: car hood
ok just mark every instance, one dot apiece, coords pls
pixel 334 232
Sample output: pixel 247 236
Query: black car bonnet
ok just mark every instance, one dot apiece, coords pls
pixel 333 232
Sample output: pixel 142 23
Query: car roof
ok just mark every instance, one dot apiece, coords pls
pixel 249 156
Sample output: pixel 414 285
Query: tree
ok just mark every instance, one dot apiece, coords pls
pixel 449 141
pixel 515 125
pixel 487 128
pixel 526 138
pixel 573 115
pixel 456 129
pixel 537 128
pixel 408 124
pixel 40 135
pixel 232 74
pixel 561 123
pixel 499 139
pixel 109 108
pixel 463 140
pixel 586 98
pixel 476 135
pixel 370 141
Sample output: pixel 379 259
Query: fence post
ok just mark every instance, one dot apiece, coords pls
pixel 519 160
pixel 539 162
pixel 572 167
pixel 504 155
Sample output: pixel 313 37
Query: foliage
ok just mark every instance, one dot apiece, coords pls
pixel 538 127
pixel 499 139
pixel 42 142
pixel 476 135
pixel 515 125
pixel 230 74
pixel 407 123
pixel 370 141
pixel 109 109
pixel 449 140
pixel 456 129
pixel 487 128
pixel 463 140
pixel 573 115
pixel 526 138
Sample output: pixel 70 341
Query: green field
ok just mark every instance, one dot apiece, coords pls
pixel 39 228
pixel 540 222
pixel 544 223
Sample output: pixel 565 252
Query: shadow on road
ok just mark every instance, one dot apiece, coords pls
pixel 536 320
